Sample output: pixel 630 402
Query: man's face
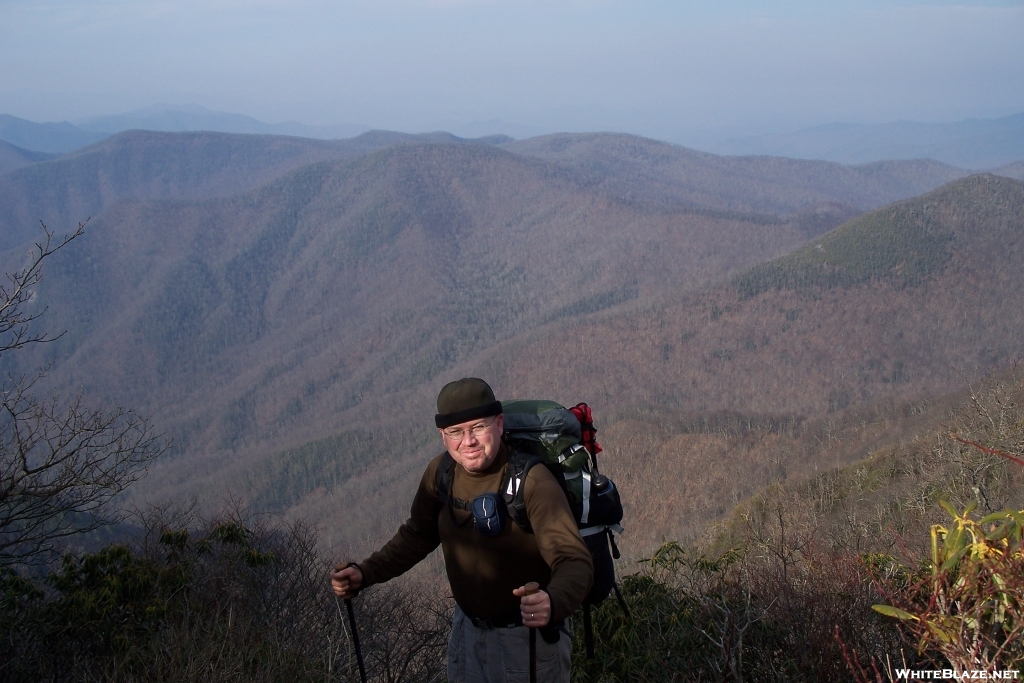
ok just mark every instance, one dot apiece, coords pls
pixel 474 444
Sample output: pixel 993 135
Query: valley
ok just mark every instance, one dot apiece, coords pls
pixel 285 309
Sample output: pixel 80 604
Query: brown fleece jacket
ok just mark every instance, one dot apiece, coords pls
pixel 483 570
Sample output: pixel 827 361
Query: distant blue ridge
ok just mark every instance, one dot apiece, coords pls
pixel 977 144
pixel 51 138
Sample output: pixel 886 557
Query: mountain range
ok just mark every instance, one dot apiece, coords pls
pixel 286 309
pixel 12 157
pixel 973 143
pixel 52 138
pixel 977 144
pixel 66 137
pixel 176 119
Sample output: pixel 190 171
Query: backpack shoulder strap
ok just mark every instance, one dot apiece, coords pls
pixel 443 483
pixel 514 486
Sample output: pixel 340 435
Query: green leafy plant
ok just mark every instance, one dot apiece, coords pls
pixel 967 603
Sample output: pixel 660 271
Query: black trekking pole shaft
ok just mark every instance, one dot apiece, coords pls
pixel 531 588
pixel 355 638
pixel 533 655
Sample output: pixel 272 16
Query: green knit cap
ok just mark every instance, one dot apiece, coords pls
pixel 463 400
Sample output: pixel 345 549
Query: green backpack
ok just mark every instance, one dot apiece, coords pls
pixel 564 439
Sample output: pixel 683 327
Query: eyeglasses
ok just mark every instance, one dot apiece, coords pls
pixel 477 430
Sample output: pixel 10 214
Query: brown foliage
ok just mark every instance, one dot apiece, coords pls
pixel 230 598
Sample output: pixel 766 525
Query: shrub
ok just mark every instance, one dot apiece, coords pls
pixel 226 599
pixel 965 604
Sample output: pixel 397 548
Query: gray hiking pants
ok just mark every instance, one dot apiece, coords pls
pixel 502 655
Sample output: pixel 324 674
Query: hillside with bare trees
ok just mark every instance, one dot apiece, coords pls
pixel 286 309
pixel 841 350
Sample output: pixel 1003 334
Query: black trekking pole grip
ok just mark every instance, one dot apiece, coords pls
pixel 355 638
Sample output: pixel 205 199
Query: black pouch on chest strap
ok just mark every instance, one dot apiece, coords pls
pixel 489 511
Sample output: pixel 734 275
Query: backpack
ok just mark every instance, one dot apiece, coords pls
pixel 563 440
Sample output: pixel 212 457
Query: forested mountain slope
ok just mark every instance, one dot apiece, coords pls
pixel 141 164
pixel 1014 170
pixel 152 165
pixel 861 340
pixel 646 170
pixel 704 397
pixel 13 157
pixel 287 309
pixel 880 306
pixel 857 335
pixel 48 138
pixel 350 279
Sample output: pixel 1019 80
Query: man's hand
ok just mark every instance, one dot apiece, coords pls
pixel 346 580
pixel 534 606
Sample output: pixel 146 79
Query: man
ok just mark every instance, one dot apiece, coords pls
pixel 488 573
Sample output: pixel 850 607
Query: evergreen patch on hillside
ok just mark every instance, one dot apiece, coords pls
pixel 595 303
pixel 284 478
pixel 904 244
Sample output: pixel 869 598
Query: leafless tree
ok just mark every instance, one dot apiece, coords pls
pixel 61 461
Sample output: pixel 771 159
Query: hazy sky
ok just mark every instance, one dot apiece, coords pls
pixel 653 67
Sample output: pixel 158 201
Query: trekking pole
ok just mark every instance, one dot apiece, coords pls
pixel 355 638
pixel 532 588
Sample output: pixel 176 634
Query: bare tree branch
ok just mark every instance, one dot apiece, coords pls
pixel 18 290
pixel 61 461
